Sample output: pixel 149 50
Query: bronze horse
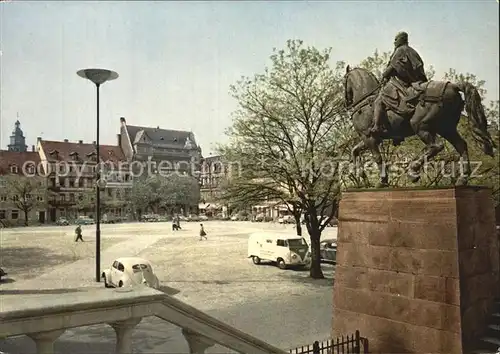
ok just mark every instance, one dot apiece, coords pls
pixel 431 117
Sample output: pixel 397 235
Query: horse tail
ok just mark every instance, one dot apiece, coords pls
pixel 476 115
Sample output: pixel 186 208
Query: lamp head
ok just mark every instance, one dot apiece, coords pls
pixel 98 76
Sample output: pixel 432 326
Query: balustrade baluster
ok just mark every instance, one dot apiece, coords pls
pixel 197 343
pixel 123 330
pixel 45 340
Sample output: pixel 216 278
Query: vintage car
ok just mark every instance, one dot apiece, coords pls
pixel 128 272
pixel 62 222
pixel 328 251
pixel 150 218
pixel 2 273
pixel 193 217
pixel 84 220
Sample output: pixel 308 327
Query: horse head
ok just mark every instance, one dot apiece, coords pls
pixel 358 83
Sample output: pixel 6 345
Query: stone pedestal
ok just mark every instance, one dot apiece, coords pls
pixel 417 270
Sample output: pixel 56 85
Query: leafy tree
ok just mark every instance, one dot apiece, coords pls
pixel 86 201
pixel 284 136
pixel 242 192
pixel 26 193
pixel 179 191
pixel 156 192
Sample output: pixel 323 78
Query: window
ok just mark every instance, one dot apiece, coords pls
pixel 14 214
pixel 61 168
pixel 3 214
pixel 72 197
pixel 115 264
pixel 39 198
pixel 281 243
pixel 28 197
pixel 269 241
pixel 62 197
pixel 121 268
pixel 15 198
pixel 3 184
pixel 3 198
pixel 139 267
pixel 30 169
pixel 297 242
pixel 14 169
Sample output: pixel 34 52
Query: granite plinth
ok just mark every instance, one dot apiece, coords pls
pixel 417 270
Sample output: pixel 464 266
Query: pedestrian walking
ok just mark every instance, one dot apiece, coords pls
pixel 78 232
pixel 203 234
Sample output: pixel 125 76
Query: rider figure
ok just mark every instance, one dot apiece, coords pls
pixel 406 65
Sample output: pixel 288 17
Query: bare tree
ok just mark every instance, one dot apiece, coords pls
pixel 26 193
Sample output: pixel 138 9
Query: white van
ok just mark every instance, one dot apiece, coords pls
pixel 280 248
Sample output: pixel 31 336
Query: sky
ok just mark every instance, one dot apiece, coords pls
pixel 176 60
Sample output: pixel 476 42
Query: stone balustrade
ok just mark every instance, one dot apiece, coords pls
pixel 45 317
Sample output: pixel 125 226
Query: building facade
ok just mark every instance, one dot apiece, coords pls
pixel 71 172
pixel 161 151
pixel 165 149
pixel 23 191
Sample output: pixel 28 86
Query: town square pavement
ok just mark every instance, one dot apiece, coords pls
pixel 283 308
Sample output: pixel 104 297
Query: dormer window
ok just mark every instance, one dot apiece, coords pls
pixel 30 169
pixel 74 156
pixel 92 156
pixel 54 153
pixel 14 169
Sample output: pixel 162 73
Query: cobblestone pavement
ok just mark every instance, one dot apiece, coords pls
pixel 285 308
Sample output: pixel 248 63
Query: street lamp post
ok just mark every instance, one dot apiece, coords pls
pixel 98 77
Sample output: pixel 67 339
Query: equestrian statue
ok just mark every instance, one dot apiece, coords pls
pixel 405 103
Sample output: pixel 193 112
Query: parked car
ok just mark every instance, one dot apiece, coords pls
pixel 285 250
pixel 203 218
pixel 84 220
pixel 286 219
pixel 128 272
pixel 62 222
pixel 150 218
pixel 328 251
pixel 193 217
pixel 2 273
pixel 259 217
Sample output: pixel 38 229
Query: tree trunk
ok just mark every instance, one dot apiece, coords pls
pixel 315 272
pixel 298 225
pixel 313 228
pixel 26 217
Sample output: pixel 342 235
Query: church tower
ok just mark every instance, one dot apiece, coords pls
pixel 17 140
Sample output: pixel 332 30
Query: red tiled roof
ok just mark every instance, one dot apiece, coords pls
pixel 111 153
pixel 15 158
